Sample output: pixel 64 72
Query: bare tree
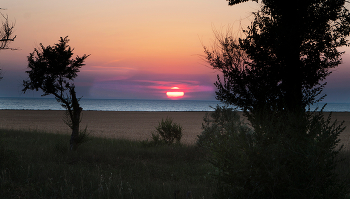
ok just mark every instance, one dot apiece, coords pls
pixel 6 33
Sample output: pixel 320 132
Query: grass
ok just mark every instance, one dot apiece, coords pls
pixel 40 165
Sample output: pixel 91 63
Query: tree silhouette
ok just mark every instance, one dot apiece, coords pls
pixel 6 34
pixel 287 52
pixel 273 74
pixel 53 70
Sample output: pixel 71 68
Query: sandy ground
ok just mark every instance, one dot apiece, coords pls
pixel 114 124
pixel 111 124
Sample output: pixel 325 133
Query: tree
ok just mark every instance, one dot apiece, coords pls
pixel 53 70
pixel 6 34
pixel 273 74
pixel 278 68
pixel 287 53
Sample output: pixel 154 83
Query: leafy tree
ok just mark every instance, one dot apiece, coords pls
pixel 52 69
pixel 286 54
pixel 273 74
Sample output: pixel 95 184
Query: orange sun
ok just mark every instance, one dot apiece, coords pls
pixel 175 94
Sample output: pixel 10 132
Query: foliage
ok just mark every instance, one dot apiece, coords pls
pixel 156 140
pixel 271 163
pixel 275 65
pixel 168 132
pixel 53 71
pixel 273 74
pixel 219 125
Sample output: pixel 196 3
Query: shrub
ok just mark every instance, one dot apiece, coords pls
pixel 168 132
pixel 220 125
pixel 273 162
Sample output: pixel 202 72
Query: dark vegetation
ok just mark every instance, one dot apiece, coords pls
pixel 255 164
pixel 274 74
pixel 44 166
pixel 167 132
pixel 53 70
pixel 40 165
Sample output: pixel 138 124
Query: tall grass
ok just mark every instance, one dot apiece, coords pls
pixel 40 165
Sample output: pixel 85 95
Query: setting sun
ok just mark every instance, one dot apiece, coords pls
pixel 175 94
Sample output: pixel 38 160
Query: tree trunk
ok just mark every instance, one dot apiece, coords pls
pixel 75 118
pixel 292 73
pixel 290 38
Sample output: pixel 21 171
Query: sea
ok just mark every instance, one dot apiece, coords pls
pixel 109 104
pixel 10 103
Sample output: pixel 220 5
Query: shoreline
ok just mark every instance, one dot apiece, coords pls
pixel 137 111
pixel 134 125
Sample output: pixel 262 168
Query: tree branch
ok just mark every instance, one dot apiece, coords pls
pixel 5 33
pixel 9 39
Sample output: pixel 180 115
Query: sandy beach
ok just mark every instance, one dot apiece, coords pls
pixel 110 124
pixel 114 124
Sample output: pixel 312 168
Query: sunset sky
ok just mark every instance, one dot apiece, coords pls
pixel 138 49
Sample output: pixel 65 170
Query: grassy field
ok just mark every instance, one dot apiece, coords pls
pixel 39 165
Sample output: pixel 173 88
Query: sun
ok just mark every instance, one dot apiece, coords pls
pixel 175 94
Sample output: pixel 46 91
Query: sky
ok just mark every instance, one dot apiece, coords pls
pixel 140 49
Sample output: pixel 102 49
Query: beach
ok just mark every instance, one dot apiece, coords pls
pixel 134 125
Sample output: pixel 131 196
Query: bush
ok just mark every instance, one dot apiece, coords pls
pixel 219 126
pixel 273 162
pixel 168 132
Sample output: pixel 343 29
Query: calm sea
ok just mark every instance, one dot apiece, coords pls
pixel 109 104
pixel 133 105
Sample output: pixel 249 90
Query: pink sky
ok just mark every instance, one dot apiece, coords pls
pixel 139 49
